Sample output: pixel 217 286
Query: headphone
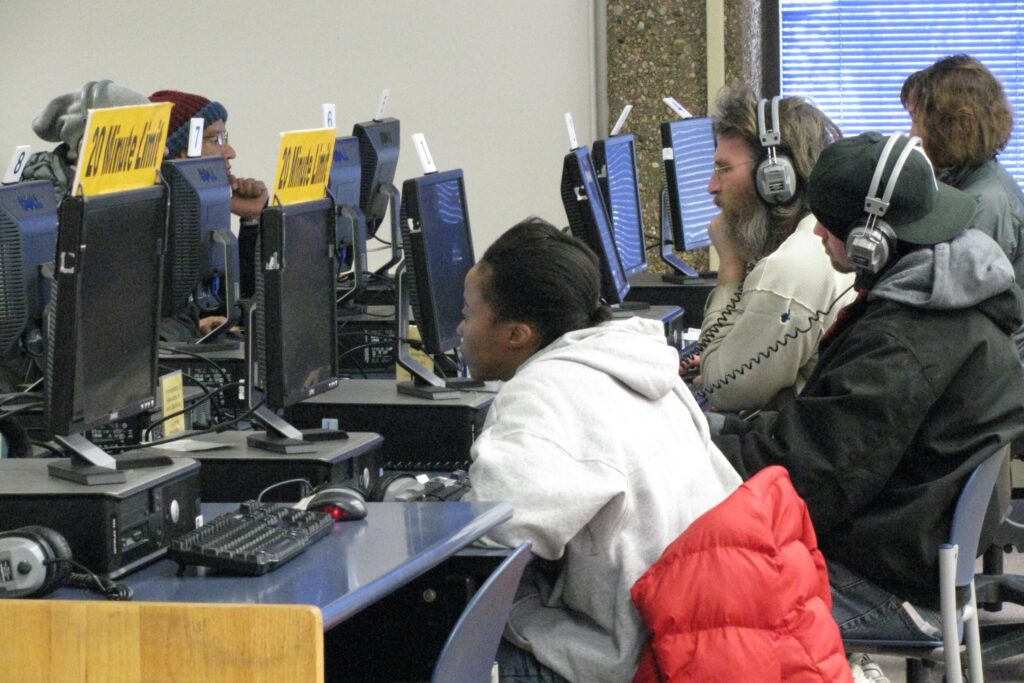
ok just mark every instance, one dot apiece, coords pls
pixel 775 176
pixel 871 241
pixel 34 561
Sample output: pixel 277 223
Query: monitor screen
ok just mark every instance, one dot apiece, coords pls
pixel 615 160
pixel 298 319
pixel 101 362
pixel 438 254
pixel 28 240
pixel 378 151
pixel 195 265
pixel 588 220
pixel 688 148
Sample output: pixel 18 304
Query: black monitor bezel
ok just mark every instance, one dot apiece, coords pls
pixel 273 319
pixel 589 221
pixel 425 299
pixel 63 353
pixel 600 156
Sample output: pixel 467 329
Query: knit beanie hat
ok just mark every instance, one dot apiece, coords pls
pixel 186 107
pixel 63 119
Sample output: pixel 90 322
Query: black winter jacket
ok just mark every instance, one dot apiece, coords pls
pixel 908 396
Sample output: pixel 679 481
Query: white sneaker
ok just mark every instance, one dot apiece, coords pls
pixel 865 670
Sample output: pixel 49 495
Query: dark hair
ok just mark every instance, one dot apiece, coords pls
pixel 539 275
pixel 961 109
pixel 805 129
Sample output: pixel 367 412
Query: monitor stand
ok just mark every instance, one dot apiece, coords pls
pixel 425 383
pixel 92 466
pixel 281 437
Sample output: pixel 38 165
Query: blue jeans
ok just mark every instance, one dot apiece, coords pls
pixel 519 666
pixel 864 610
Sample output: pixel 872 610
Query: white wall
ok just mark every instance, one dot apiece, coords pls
pixel 486 81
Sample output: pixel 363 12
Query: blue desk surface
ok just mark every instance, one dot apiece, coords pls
pixel 356 565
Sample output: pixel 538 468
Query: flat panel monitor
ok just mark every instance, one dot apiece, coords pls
pixel 379 144
pixel 28 241
pixel 589 221
pixel 615 160
pixel 345 185
pixel 101 350
pixel 298 318
pixel 438 254
pixel 201 263
pixel 688 148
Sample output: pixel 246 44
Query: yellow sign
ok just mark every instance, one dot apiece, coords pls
pixel 172 401
pixel 122 148
pixel 304 165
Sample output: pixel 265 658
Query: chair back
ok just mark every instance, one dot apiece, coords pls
pixel 970 513
pixel 468 654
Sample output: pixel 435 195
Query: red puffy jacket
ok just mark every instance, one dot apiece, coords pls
pixel 743 595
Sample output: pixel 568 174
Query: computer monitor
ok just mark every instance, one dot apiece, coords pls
pixel 615 161
pixel 101 350
pixel 438 254
pixel 688 148
pixel 201 261
pixel 296 318
pixel 378 151
pixel 28 241
pixel 589 221
pixel 345 185
pixel 378 196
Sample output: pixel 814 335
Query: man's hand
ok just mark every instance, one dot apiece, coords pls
pixel 730 265
pixel 248 197
pixel 690 368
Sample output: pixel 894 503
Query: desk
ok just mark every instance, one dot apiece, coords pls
pixel 352 568
pixel 691 296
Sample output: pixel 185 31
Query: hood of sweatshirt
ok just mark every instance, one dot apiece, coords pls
pixel 970 270
pixel 632 351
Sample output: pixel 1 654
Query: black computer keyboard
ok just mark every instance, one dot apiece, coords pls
pixel 254 539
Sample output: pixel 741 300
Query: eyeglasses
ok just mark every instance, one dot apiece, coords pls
pixel 220 138
pixel 719 169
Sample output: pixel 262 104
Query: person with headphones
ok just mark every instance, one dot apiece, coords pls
pixel 916 383
pixel 595 442
pixel 776 292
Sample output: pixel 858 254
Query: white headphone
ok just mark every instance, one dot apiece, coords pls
pixel 775 177
pixel 869 245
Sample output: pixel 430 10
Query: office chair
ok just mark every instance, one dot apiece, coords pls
pixel 992 586
pixel 468 654
pixel 956 573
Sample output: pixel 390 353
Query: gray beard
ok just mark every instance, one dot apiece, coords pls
pixel 753 229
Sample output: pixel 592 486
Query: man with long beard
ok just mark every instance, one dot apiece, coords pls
pixel 776 292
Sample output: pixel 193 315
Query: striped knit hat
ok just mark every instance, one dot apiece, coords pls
pixel 186 107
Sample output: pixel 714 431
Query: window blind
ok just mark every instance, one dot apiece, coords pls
pixel 851 56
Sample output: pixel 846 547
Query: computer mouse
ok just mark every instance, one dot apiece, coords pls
pixel 342 504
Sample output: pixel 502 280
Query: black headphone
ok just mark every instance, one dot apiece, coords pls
pixel 871 241
pixel 775 176
pixel 35 562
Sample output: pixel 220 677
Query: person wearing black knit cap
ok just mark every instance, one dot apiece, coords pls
pixel 248 195
pixel 917 382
